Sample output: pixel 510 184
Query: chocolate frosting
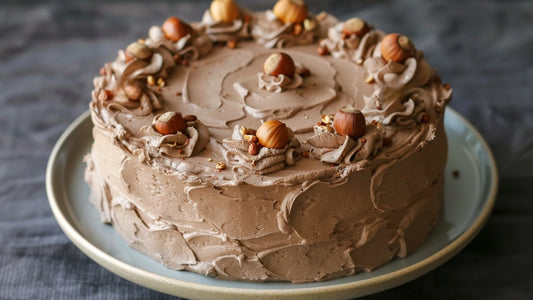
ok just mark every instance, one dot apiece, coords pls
pixel 268 30
pixel 223 32
pixel 351 205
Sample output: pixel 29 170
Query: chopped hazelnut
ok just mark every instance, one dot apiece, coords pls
pixel 297 30
pixel 253 149
pixel 231 44
pixel 190 118
pixel 150 80
pixel 220 166
pixel 322 50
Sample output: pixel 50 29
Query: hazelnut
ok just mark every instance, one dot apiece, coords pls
pixel 174 29
pixel 279 63
pixel 190 118
pixel 139 50
pixel 251 131
pixel 133 91
pixel 273 134
pixel 327 119
pixel 303 71
pixel 220 166
pixel 290 11
pixel 170 123
pixel 322 50
pixel 250 138
pixel 309 24
pixel 150 80
pixel 397 48
pixel 232 44
pixel 253 149
pixel 350 121
pixel 225 11
pixel 355 26
pixel 297 30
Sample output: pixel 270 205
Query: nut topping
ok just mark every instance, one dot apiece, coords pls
pixel 133 91
pixel 309 24
pixel 190 118
pixel 174 29
pixel 273 134
pixel 290 11
pixel 139 50
pixel 150 80
pixel 279 63
pixel 322 50
pixel 170 123
pixel 225 11
pixel 350 122
pixel 355 26
pixel 253 149
pixel 250 138
pixel 398 48
pixel 220 166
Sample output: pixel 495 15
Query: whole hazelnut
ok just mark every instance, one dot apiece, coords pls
pixel 225 11
pixel 290 11
pixel 279 63
pixel 170 123
pixel 349 121
pixel 273 134
pixel 355 26
pixel 398 48
pixel 190 118
pixel 133 91
pixel 139 50
pixel 174 29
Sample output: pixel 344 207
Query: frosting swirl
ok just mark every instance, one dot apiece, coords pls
pixel 180 144
pixel 280 83
pixel 268 30
pixel 192 46
pixel 220 31
pixel 397 97
pixel 268 160
pixel 336 149
pixel 352 47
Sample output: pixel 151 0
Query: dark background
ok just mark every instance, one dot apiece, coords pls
pixel 50 51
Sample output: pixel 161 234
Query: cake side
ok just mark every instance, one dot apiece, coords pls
pixel 212 196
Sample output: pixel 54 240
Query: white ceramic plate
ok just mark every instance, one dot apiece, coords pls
pixel 468 202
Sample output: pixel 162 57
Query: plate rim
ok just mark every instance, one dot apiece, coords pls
pixel 199 290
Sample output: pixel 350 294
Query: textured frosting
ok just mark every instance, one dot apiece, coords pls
pixel 220 31
pixel 321 207
pixel 272 33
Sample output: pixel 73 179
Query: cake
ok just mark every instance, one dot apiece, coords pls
pixel 269 146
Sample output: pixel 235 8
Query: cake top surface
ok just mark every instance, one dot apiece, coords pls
pixel 194 99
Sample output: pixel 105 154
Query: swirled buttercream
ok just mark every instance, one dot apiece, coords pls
pixel 273 33
pixel 278 84
pixel 332 148
pixel 220 31
pixel 211 200
pixel 180 144
pixel 192 46
pixel 352 47
pixel 268 160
